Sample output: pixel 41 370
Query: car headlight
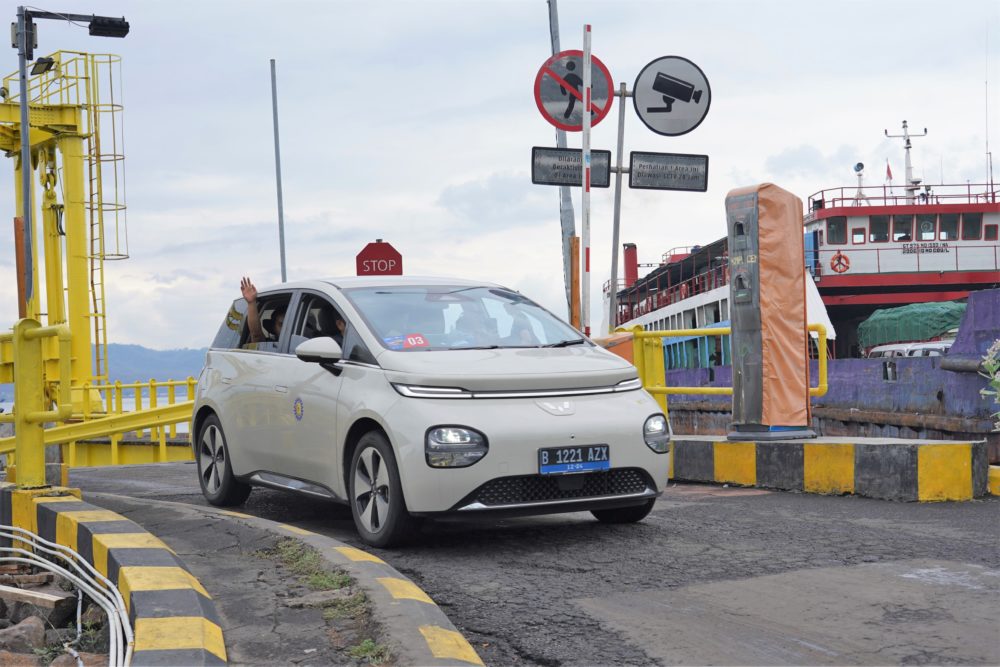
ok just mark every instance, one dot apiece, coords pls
pixel 656 433
pixel 454 446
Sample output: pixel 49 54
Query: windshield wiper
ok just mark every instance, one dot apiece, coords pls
pixel 476 347
pixel 566 343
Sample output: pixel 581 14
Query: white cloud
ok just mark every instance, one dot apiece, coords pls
pixel 413 122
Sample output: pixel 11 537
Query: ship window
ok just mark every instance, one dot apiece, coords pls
pixel 902 228
pixel 948 229
pixel 879 229
pixel 972 226
pixel 990 233
pixel 836 230
pixel 926 226
pixel 858 235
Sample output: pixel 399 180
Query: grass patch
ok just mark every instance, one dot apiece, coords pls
pixel 375 654
pixel 306 562
pixel 351 607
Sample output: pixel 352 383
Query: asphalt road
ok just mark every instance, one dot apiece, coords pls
pixel 712 576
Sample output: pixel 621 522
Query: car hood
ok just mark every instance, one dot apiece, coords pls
pixel 510 369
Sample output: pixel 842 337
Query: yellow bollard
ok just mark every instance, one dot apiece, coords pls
pixel 28 399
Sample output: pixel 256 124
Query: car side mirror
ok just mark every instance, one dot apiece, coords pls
pixel 319 350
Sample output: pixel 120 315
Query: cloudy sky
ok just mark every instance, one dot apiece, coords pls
pixel 414 122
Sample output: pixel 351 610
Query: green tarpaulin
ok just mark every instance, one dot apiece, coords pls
pixel 915 322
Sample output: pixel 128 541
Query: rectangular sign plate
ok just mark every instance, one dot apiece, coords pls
pixel 668 171
pixel 561 166
pixel 562 460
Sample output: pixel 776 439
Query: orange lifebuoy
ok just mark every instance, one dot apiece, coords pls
pixel 840 262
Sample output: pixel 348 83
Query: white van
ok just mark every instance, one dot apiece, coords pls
pixel 931 349
pixel 408 397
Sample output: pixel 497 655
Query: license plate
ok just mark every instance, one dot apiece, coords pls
pixel 563 460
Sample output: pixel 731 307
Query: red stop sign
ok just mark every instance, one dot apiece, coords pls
pixel 379 259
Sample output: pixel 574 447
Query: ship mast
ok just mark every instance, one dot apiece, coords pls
pixel 912 185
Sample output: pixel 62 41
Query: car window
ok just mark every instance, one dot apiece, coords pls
pixel 354 348
pixel 443 317
pixel 272 310
pixel 231 330
pixel 315 317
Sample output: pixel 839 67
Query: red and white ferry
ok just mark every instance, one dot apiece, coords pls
pixel 866 248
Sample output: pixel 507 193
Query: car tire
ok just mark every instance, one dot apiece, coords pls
pixel 376 495
pixel 215 471
pixel 630 514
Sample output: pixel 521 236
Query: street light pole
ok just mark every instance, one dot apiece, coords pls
pixel 26 171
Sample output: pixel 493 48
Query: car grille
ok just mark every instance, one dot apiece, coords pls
pixel 539 488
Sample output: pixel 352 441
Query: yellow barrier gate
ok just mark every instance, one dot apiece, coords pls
pixel 647 350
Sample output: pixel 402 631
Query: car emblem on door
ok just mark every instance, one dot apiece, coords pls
pixel 298 409
pixel 557 408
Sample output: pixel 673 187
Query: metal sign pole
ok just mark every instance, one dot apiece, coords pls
pixel 567 221
pixel 585 205
pixel 613 308
pixel 277 172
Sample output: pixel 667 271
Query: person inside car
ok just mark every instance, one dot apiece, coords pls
pixel 270 331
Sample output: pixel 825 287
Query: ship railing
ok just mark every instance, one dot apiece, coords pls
pixel 898 195
pixel 660 296
pixel 647 355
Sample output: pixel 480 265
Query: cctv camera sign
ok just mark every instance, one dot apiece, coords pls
pixel 671 96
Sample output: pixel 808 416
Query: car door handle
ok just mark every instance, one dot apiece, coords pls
pixel 227 380
pixel 281 389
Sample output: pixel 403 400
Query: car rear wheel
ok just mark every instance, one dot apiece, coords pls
pixel 215 472
pixel 377 503
pixel 624 514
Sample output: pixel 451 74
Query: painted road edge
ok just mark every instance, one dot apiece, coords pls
pixel 174 618
pixel 417 630
pixel 887 469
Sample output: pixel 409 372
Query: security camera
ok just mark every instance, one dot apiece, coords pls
pixel 673 89
pixel 4 92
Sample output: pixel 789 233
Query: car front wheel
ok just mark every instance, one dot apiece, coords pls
pixel 215 472
pixel 377 503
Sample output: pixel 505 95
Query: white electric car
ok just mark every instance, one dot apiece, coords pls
pixel 410 397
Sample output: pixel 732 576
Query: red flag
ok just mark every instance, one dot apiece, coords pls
pixel 888 171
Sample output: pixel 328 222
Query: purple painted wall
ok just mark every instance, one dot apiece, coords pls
pixel 921 386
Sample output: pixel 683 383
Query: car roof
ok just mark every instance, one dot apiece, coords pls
pixel 346 282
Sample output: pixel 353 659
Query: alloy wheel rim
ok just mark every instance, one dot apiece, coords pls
pixel 211 458
pixel 371 490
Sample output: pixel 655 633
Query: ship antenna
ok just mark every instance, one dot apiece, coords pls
pixel 989 154
pixel 912 186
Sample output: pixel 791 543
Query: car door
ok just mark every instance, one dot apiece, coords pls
pixel 306 397
pixel 264 415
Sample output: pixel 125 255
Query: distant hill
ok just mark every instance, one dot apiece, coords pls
pixel 131 363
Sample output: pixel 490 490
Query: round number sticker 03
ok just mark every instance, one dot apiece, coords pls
pixel 415 340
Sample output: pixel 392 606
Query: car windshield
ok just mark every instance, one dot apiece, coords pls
pixel 442 317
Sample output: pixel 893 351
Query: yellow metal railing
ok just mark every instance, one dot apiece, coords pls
pixel 134 407
pixel 648 359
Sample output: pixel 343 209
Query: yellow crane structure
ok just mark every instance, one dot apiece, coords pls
pixel 57 355
pixel 77 155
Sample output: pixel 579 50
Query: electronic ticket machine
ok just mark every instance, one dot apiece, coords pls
pixel 767 306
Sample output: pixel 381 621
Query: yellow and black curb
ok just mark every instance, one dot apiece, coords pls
pixel 174 618
pixel 915 470
pixel 417 631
